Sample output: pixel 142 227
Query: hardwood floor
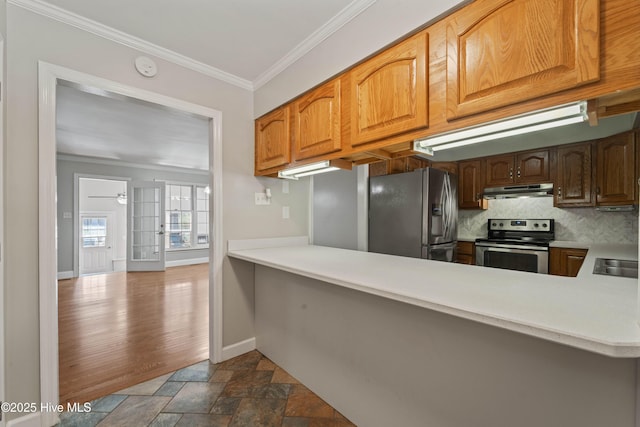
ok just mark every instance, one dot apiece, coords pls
pixel 120 329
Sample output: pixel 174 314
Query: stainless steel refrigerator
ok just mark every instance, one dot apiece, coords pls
pixel 414 214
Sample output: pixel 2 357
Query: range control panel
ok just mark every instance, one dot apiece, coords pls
pixel 520 225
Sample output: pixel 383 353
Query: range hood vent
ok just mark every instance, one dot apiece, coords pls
pixel 518 191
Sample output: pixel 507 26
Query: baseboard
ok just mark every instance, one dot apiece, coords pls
pixel 190 261
pixel 34 419
pixel 65 274
pixel 242 347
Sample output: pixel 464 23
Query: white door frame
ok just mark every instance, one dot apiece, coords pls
pixel 48 76
pixel 76 212
pixel 3 95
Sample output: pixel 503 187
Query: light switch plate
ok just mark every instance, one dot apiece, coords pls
pixel 285 212
pixel 262 199
pixel 285 186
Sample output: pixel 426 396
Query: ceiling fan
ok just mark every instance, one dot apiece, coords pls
pixel 120 198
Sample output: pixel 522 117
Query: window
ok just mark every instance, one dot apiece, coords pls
pixel 187 222
pixel 94 232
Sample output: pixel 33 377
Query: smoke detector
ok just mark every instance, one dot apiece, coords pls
pixel 146 66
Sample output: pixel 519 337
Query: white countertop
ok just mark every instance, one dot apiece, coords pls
pixel 591 312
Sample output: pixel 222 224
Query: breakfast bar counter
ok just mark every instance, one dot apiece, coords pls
pixel 591 312
pixel 389 340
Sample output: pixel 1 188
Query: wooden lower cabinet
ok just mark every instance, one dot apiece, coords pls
pixel 566 261
pixel 466 253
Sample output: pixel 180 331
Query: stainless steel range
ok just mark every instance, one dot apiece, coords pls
pixel 516 244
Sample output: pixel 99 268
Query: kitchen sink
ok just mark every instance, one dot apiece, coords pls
pixel 616 267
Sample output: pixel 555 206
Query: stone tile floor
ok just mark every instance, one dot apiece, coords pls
pixel 248 390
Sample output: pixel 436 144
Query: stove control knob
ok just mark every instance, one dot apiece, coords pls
pixel 501 224
pixel 544 225
pixel 493 224
pixel 536 225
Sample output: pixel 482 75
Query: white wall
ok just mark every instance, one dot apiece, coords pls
pixel 335 209
pixel 31 38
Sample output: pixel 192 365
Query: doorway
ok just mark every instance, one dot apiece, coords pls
pixel 102 227
pixel 50 77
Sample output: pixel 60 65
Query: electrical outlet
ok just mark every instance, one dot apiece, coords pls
pixel 262 199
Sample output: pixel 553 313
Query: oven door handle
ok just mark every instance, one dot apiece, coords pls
pixel 519 250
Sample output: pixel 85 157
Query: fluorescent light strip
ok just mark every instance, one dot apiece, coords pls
pixel 544 119
pixel 317 171
pixel 507 133
pixel 301 169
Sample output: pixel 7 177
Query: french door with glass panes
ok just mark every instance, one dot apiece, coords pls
pixel 146 251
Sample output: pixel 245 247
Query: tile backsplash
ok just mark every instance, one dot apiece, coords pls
pixel 573 224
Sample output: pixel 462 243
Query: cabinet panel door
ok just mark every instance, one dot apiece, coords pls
pixel 573 179
pixel 499 171
pixel 389 92
pixel 273 142
pixel 532 167
pixel 317 122
pixel 500 52
pixel 470 185
pixel 615 183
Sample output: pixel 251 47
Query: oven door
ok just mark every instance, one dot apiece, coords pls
pixel 534 259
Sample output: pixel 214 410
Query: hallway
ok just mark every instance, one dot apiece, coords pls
pixel 120 329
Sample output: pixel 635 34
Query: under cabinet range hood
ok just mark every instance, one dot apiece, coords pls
pixel 518 191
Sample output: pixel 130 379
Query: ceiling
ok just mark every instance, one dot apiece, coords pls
pixel 244 38
pixel 96 123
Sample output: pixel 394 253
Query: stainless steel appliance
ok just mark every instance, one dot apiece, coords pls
pixel 414 214
pixel 516 244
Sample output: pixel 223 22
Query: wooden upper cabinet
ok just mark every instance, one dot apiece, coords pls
pixel 615 170
pixel 574 176
pixel 499 170
pixel 531 167
pixel 470 185
pixel 500 52
pixel 317 125
pixel 273 139
pixel 389 92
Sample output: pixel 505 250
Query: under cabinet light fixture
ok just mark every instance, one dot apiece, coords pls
pixel 517 125
pixel 314 168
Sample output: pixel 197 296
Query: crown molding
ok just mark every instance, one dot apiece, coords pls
pixel 91 26
pixel 354 9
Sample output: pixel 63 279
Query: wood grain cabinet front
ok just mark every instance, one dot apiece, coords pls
pixel 470 185
pixel 531 167
pixel 317 122
pixel 466 253
pixel 615 170
pixel 389 92
pixel 273 139
pixel 500 52
pixel 566 261
pixel 574 183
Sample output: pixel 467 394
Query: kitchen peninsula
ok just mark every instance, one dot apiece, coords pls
pixel 400 341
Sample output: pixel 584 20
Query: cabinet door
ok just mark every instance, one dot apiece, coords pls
pixel 317 122
pixel 465 253
pixel 500 52
pixel 273 141
pixel 573 178
pixel 499 170
pixel 470 185
pixel 566 261
pixel 532 167
pixel 615 171
pixel 389 92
